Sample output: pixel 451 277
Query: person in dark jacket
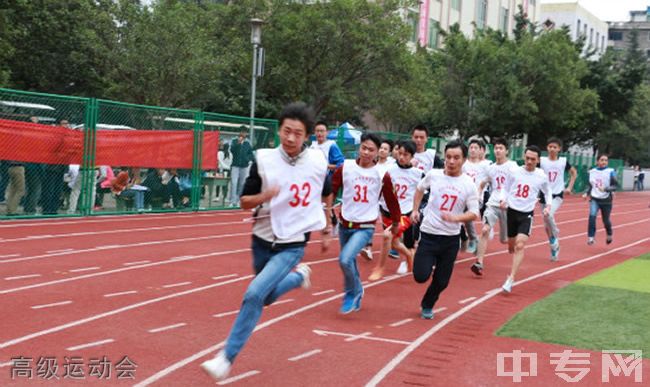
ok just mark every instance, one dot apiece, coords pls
pixel 242 155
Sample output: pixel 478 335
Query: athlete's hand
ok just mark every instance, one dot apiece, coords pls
pixel 448 217
pixel 503 205
pixel 415 216
pixel 584 196
pixel 567 191
pixel 546 212
pixel 271 193
pixel 394 229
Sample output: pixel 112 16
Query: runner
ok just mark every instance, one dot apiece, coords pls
pixel 555 167
pixel 362 184
pixel 285 184
pixel 522 188
pixel 405 179
pixel 602 184
pixel 451 192
pixel 496 177
pixel 476 168
pixel 384 162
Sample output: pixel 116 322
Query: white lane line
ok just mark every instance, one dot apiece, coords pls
pixel 364 335
pixel 305 355
pixel 323 292
pixel 84 269
pixel 58 251
pixel 210 350
pixel 135 263
pixel 225 276
pixel 439 310
pixel 127 230
pixel 465 301
pixel 176 285
pixel 113 312
pixel 22 277
pixel 120 293
pixel 282 301
pixel 9 256
pixel 138 244
pixel 166 328
pixel 6 364
pixel 238 377
pixel 401 322
pixel 51 305
pixel 391 365
pixel 224 314
pixel 88 345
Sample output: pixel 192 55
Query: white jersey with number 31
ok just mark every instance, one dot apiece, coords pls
pixel 361 190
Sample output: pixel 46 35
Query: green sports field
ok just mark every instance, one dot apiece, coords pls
pixel 607 310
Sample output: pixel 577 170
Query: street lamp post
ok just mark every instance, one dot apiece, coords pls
pixel 256 40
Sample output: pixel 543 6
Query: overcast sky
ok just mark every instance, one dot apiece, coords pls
pixel 610 10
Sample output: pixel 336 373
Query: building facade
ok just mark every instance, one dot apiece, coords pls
pixel 581 23
pixel 435 15
pixel 619 32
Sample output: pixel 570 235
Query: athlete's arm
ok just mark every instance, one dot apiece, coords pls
pixel 252 195
pixel 574 174
pixel 391 201
pixel 335 157
pixel 613 183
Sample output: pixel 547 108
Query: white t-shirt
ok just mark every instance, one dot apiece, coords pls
pixel 447 194
pixel 385 166
pixel 405 182
pixel 297 208
pixel 424 160
pixel 600 178
pixel 554 169
pixel 361 191
pixel 497 175
pixel 476 171
pixel 324 147
pixel 523 187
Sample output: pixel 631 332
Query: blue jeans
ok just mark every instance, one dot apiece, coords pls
pixel 606 210
pixel 274 277
pixel 136 195
pixel 238 176
pixel 352 241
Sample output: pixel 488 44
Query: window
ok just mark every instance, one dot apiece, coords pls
pixel 647 53
pixel 481 14
pixel 578 30
pixel 615 35
pixel 597 38
pixel 413 21
pixel 602 43
pixel 504 17
pixel 434 28
pixel 591 37
pixel 455 5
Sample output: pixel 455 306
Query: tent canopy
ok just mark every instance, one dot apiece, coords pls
pixel 351 136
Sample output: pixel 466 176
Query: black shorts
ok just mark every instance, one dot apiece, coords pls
pixel 519 223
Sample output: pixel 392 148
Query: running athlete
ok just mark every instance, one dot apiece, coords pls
pixel 602 184
pixel 405 179
pixel 522 187
pixel 476 169
pixel 384 162
pixel 555 167
pixel 496 176
pixel 362 184
pixel 286 185
pixel 451 192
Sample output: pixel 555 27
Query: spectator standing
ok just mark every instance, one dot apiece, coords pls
pixel 242 155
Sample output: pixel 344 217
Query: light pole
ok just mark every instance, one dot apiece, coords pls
pixel 256 40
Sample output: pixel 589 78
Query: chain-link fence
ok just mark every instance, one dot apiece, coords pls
pixel 79 156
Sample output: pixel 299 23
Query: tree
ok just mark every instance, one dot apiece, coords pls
pixel 59 47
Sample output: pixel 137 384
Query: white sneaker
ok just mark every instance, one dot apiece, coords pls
pixel 403 268
pixel 304 270
pixel 218 367
pixel 367 253
pixel 507 286
pixel 590 241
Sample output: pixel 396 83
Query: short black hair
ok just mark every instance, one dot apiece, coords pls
pixel 420 127
pixel 390 143
pixel 398 144
pixel 372 137
pixel 298 111
pixel 606 155
pixel 500 141
pixel 321 123
pixel 534 148
pixel 457 144
pixel 409 146
pixel 478 142
pixel 554 140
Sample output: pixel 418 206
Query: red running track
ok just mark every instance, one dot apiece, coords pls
pixel 164 290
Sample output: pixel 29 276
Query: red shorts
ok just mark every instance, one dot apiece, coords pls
pixel 404 224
